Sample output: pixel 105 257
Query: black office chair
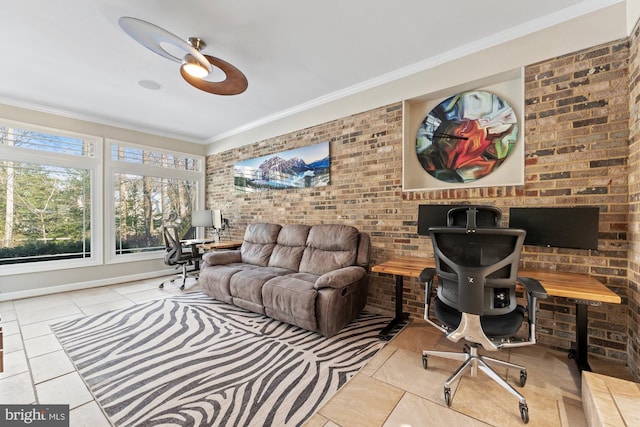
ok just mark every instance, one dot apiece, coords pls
pixel 474 216
pixel 476 300
pixel 176 255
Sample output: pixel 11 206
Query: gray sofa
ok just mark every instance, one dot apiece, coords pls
pixel 314 277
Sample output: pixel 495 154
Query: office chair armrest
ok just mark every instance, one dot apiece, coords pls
pixel 341 278
pixel 534 291
pixel 533 287
pixel 427 274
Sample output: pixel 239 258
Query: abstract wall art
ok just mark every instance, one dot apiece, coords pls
pixel 467 137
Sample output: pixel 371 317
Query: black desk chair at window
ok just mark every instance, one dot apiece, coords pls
pixel 176 255
pixel 476 301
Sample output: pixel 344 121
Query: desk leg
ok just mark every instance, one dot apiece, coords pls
pixel 400 316
pixel 195 253
pixel 580 352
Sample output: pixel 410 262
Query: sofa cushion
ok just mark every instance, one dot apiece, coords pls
pixel 290 245
pixel 292 300
pixel 215 279
pixel 247 284
pixel 329 247
pixel 258 244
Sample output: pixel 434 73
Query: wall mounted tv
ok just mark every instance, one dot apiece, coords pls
pixel 560 227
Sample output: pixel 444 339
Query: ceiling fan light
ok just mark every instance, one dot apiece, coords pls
pixel 192 67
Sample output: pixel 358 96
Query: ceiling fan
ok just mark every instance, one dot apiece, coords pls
pixel 196 66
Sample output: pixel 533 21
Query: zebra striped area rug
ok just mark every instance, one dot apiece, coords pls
pixel 193 361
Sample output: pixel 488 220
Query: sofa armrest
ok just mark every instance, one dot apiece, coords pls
pixel 221 257
pixel 340 278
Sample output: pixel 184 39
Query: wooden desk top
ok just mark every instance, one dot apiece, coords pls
pixel 556 283
pixel 224 244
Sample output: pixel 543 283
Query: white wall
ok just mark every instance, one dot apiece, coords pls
pixel 633 13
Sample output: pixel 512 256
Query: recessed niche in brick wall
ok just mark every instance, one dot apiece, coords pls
pixel 509 87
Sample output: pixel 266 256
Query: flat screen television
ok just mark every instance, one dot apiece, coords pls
pixel 560 227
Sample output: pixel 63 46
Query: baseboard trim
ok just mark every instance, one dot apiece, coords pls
pixel 29 293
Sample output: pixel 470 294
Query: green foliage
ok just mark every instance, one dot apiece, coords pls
pixel 50 250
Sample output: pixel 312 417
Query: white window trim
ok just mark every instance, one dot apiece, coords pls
pixel 27 155
pixel 115 166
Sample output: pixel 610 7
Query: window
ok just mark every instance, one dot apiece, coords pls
pixel 48 190
pixel 150 187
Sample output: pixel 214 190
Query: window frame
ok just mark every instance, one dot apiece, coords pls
pixel 49 158
pixel 119 166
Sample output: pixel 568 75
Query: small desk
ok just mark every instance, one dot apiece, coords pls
pixel 224 244
pixel 194 244
pixel 582 289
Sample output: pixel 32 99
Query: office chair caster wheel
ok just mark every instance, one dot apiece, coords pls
pixel 182 288
pixel 447 396
pixel 424 362
pixel 523 378
pixel 161 285
pixel 524 413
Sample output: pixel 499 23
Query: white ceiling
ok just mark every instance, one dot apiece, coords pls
pixel 70 57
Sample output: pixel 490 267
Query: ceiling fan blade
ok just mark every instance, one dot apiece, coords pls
pixel 151 36
pixel 234 83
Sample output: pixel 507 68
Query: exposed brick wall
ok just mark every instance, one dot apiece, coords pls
pixel 634 204
pixel 576 130
pixel 576 136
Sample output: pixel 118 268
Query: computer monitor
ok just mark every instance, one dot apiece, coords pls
pixel 560 227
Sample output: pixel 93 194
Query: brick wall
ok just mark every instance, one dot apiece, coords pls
pixel 576 136
pixel 577 129
pixel 634 205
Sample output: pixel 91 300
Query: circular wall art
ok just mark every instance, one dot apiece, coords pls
pixel 466 137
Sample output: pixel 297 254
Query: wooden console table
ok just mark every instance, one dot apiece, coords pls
pixel 582 289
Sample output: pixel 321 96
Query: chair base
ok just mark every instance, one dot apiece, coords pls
pixel 183 275
pixel 472 360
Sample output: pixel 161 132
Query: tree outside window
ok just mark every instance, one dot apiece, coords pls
pixel 151 187
pixel 46 205
pixel 142 206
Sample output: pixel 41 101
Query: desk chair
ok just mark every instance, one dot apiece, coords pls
pixel 474 216
pixel 476 301
pixel 176 255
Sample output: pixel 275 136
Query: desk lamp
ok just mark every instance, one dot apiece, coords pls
pixel 202 219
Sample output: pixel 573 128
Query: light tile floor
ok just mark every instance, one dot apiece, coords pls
pixel 391 390
pixel 36 368
pixel 394 389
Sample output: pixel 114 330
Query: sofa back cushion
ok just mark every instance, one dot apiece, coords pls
pixel 289 247
pixel 258 244
pixel 329 247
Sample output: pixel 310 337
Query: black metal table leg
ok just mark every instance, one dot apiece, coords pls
pixel 400 316
pixel 580 353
